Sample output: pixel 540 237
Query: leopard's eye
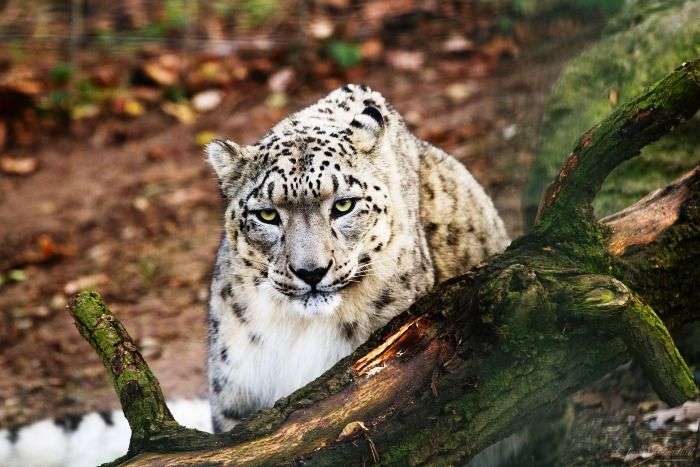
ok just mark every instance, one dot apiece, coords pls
pixel 342 207
pixel 269 216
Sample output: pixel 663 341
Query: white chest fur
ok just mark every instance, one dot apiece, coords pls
pixel 273 354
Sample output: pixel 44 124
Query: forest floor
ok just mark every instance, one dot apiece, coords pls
pixel 130 208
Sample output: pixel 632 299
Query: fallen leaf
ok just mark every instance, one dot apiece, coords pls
pixel 648 406
pixel 281 80
pixel 164 70
pixel 406 60
pixel 85 282
pixel 181 111
pixel 156 153
pixel 372 49
pixel 80 112
pixel 460 92
pixel 276 100
pixel 321 28
pixel 3 134
pixel 500 46
pixel 204 137
pixel 150 347
pixel 352 430
pixel 206 101
pixel 457 44
pixel 18 165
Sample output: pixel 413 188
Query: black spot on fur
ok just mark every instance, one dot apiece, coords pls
pixel 349 329
pixel 106 417
pixel 224 354
pixel 13 435
pixel 374 113
pixel 385 299
pixel 214 325
pixel 254 338
pixel 226 291
pixel 239 312
pixel 69 423
pixel 216 385
pixel 216 424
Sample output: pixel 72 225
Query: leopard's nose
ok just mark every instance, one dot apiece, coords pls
pixel 311 276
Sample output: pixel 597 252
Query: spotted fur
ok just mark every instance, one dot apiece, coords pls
pixel 290 298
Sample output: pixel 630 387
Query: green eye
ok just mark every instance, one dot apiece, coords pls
pixel 268 216
pixel 342 207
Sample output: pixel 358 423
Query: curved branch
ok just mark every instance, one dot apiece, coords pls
pixel 138 389
pixel 618 138
pixel 609 305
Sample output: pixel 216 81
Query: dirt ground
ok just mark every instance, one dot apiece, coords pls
pixel 131 209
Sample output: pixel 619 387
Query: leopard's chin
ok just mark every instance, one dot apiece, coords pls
pixel 315 303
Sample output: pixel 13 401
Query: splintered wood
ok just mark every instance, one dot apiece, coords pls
pixel 392 347
pixel 644 221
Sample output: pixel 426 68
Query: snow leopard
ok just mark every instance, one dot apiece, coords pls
pixel 334 222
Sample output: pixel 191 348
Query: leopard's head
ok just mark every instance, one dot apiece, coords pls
pixel 308 210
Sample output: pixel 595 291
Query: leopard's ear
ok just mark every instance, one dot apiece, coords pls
pixel 226 158
pixel 367 127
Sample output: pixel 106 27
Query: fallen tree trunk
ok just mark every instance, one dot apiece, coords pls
pixel 484 353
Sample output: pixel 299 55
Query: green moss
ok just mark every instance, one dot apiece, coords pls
pixel 622 64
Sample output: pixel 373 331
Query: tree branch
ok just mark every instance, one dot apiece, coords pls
pixel 486 352
pixel 618 138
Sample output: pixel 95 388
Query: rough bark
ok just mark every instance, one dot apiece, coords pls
pixel 486 352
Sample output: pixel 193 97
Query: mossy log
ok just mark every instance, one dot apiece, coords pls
pixel 486 352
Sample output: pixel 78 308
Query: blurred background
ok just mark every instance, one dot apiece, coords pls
pixel 105 107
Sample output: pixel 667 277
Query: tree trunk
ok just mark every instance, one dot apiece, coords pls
pixel 484 353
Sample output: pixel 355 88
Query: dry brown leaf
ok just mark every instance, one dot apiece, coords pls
pixel 18 165
pixel 406 60
pixel 85 282
pixel 352 430
pixel 181 111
